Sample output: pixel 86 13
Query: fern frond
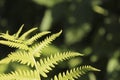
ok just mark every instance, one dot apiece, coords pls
pixel 27 53
pixel 74 73
pixel 20 75
pixel 19 56
pixel 35 37
pixel 36 49
pixel 46 64
pixel 19 31
pixel 14 37
pixel 9 37
pixel 5 61
pixel 23 36
pixel 14 44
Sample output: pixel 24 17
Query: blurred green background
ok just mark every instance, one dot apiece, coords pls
pixel 91 27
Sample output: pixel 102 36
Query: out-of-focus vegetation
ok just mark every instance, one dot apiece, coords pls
pixel 91 27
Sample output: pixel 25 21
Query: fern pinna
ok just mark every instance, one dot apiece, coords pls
pixel 28 49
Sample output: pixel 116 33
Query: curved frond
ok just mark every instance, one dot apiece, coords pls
pixel 35 37
pixel 20 75
pixel 45 65
pixel 19 56
pixel 36 49
pixel 14 44
pixel 22 37
pixel 74 73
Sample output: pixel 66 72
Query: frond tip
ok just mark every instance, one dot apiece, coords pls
pixel 19 31
pixel 74 73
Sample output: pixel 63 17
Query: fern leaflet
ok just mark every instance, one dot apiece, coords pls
pixel 46 63
pixel 35 37
pixel 14 44
pixel 20 75
pixel 74 73
pixel 19 31
pixel 22 37
pixel 25 58
pixel 10 38
pixel 36 49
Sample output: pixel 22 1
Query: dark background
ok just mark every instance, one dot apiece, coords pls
pixel 91 27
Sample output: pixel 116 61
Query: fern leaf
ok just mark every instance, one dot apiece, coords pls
pixel 35 37
pixel 20 75
pixel 36 49
pixel 9 37
pixel 14 37
pixel 74 73
pixel 20 56
pixel 14 44
pixel 22 37
pixel 5 61
pixel 19 31
pixel 46 64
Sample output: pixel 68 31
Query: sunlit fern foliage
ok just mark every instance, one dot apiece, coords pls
pixel 28 49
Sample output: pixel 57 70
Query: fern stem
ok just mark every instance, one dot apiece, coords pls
pixel 36 67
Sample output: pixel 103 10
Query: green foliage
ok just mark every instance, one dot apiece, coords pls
pixel 29 53
pixel 90 27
